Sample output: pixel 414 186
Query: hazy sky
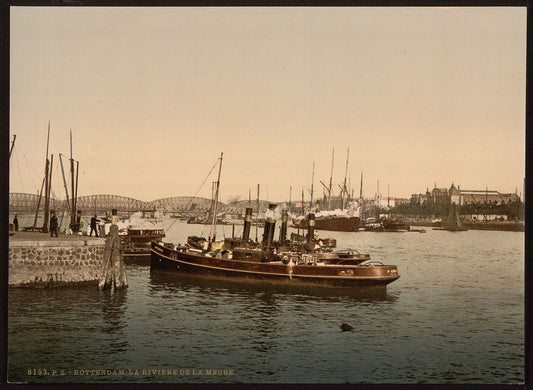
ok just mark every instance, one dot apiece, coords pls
pixel 154 95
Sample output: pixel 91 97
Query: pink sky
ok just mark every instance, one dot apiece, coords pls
pixel 154 95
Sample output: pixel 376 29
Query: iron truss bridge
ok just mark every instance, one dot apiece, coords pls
pixel 188 205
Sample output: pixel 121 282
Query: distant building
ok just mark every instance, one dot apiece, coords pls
pixel 455 194
pixel 440 195
pixel 486 196
pixel 387 202
pixel 401 201
pixel 443 196
pixel 420 198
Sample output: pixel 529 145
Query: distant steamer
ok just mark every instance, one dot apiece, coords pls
pixel 332 223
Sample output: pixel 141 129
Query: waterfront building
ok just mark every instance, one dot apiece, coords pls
pixel 486 196
pixel 386 202
pixel 401 201
pixel 420 198
pixel 440 196
pixel 443 196
pixel 455 194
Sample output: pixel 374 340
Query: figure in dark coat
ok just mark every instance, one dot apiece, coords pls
pixel 16 223
pixel 53 225
pixel 93 226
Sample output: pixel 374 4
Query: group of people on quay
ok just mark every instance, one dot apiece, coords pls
pixel 54 225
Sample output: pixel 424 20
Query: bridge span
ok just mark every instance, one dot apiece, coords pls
pixel 23 203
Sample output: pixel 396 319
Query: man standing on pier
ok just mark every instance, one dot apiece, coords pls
pixel 16 223
pixel 93 226
pixel 53 225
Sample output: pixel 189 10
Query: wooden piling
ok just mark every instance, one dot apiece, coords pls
pixel 113 272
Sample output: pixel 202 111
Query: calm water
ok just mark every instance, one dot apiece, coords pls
pixel 456 315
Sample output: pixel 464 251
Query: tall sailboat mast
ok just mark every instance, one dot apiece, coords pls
pixel 303 208
pixel 214 216
pixel 47 183
pixel 64 180
pixel 331 179
pixel 46 187
pixel 361 187
pixel 312 184
pixel 345 189
pixel 73 208
pixel 12 144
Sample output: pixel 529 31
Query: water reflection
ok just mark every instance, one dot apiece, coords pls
pixel 113 306
pixel 268 292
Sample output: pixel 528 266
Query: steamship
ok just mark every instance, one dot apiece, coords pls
pixel 291 262
pixel 136 233
pixel 330 223
pixel 386 225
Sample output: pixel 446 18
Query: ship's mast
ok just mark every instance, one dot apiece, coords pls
pixel 345 189
pixel 47 184
pixel 12 144
pixel 214 216
pixel 329 188
pixel 73 208
pixel 257 215
pixel 312 184
pixel 46 187
pixel 379 201
pixel 331 179
pixel 388 195
pixel 303 209
pixel 64 180
pixel 361 187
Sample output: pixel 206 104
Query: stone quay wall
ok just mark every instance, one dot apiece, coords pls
pixel 52 263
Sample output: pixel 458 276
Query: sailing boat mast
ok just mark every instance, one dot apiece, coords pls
pixel 47 182
pixel 73 208
pixel 361 187
pixel 257 215
pixel 331 179
pixel 214 216
pixel 345 189
pixel 50 182
pixel 64 180
pixel 312 183
pixel 74 221
pixel 12 144
pixel 378 197
pixel 303 211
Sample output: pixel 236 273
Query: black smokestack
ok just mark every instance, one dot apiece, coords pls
pixel 283 230
pixel 270 224
pixel 266 233
pixel 311 227
pixel 247 224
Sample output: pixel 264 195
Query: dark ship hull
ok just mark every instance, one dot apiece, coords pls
pixel 388 225
pixel 248 265
pixel 337 224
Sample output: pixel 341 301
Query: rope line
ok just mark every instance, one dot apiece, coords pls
pixel 198 190
pixel 28 166
pixel 18 169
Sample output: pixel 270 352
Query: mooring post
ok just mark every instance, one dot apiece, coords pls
pixel 113 269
